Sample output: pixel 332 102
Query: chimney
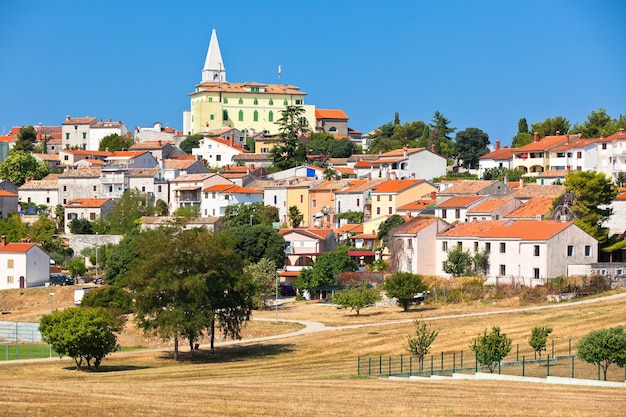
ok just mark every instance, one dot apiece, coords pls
pixel 497 144
pixel 433 195
pixel 3 241
pixel 109 120
pixel 558 132
pixel 521 182
pixel 566 139
pixel 536 138
pixel 159 142
pixel 405 149
pixel 432 148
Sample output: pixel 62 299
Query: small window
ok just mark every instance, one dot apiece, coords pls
pixel 241 115
pixel 536 273
pixel 10 264
pixel 390 197
pixel 570 250
pixel 409 243
pixel 218 158
pixel 377 210
pixel 94 188
pixel 358 202
pixel 285 102
pixel 275 199
pixel 587 250
pixel 143 189
pixel 212 117
pixel 502 269
pixel 457 213
pixel 159 188
pixel 301 198
pixel 256 101
pixel 444 213
pixel 459 245
pixel 377 198
pixel 444 246
pixel 271 102
pixel 475 246
pixel 256 116
pixel 10 279
pixel 84 135
pixel 225 115
pixel 65 188
pixel 92 216
pixel 536 250
pixel 225 100
pixel 314 203
pixel 390 210
pixel 240 101
pixel 67 136
pixel 270 116
pixel 210 99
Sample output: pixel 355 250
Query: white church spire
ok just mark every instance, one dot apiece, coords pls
pixel 214 70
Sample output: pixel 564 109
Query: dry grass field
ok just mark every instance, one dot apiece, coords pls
pixel 311 374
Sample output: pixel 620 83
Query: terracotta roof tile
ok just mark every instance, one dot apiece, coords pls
pixel 17 247
pixel 499 154
pixel 87 202
pixel 330 114
pixel 489 205
pixel 395 186
pixel 415 225
pixel 5 193
pixel 461 201
pixel 508 229
pixel 536 206
pixel 468 187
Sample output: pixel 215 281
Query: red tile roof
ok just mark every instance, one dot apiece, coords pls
pixel 489 205
pixel 536 206
pixel 508 229
pixel 544 144
pixel 499 154
pixel 87 202
pixel 415 225
pixel 396 186
pixel 17 247
pixel 330 114
pixel 5 193
pixel 460 201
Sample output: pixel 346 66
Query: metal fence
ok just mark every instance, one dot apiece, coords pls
pixel 19 340
pixel 558 360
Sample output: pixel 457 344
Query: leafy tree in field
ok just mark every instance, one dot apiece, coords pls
pixel 120 258
pixel 295 216
pixel 500 173
pixel 80 227
pixel 186 282
pixel 128 210
pixel 549 127
pixel 77 267
pixel 20 165
pixel 386 226
pixel 325 267
pixel 440 135
pixel 26 139
pixel 243 214
pixel 192 141
pixel 356 298
pixel 594 192
pixel 471 144
pixel 409 134
pixel 254 243
pixel 288 150
pixel 13 228
pixel 538 339
pixel 84 334
pixel 459 262
pixel 419 344
pixel 603 347
pixel 404 286
pixel 263 275
pixel 381 140
pixel 43 230
pixel 115 142
pixel 490 348
pixel 480 262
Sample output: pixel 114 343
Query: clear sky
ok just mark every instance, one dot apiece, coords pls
pixel 481 63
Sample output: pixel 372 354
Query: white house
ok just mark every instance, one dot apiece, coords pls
pixel 574 155
pixel 499 158
pixel 216 198
pixel 523 252
pixel 186 190
pixel 86 208
pixel 218 152
pixel 356 197
pixel 413 245
pixel 43 192
pixel 456 209
pixel 99 130
pixel 75 132
pixel 612 154
pixel 23 265
pixel 406 163
pixel 617 221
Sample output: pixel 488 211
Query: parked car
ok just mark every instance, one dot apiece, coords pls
pixel 286 290
pixel 61 280
pixel 98 281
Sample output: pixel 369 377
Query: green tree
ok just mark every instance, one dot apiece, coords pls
pixel 77 267
pixel 329 174
pixel 192 141
pixel 254 243
pixel 593 193
pixel 356 298
pixel 502 173
pixel 286 150
pixel 115 142
pixel 597 123
pixel 419 344
pixel 264 277
pixel 491 348
pixel 43 230
pixel 13 228
pixel 380 141
pixel 341 148
pixel 404 286
pixel 549 127
pixel 471 144
pixel 458 263
pixel 244 214
pixel 387 225
pixel 603 347
pixel 408 134
pixel 324 269
pixel 126 212
pixel 26 139
pixel 110 297
pixel 538 339
pixel 185 282
pixel 521 139
pixel 440 135
pixel 84 334
pixel 188 212
pixel 480 262
pixel 121 257
pixel 522 126
pixel 295 216
pixel 80 227
pixel 20 165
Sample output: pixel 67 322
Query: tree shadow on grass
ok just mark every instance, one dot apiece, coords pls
pixel 234 353
pixel 107 368
pixel 418 310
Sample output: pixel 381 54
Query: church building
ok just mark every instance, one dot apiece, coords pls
pixel 250 107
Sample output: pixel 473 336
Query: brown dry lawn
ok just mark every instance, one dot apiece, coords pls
pixel 312 374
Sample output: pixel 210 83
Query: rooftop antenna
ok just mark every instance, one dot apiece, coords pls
pixel 280 69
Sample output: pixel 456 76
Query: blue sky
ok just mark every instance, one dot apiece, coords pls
pixel 482 64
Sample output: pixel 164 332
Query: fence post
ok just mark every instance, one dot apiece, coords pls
pixel 389 366
pixel 572 367
pixel 461 359
pixel 569 348
pixel 380 365
pixel 553 348
pixel 548 365
pixel 358 366
pixel 411 365
pixel 442 361
pixel 432 363
pixel 523 365
pixel 401 363
pixel 517 353
pixel 453 362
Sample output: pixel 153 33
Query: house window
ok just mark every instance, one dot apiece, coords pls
pixel 240 101
pixel 218 158
pixel 66 157
pixel 390 198
pixel 299 102
pixel 377 198
pixel 604 146
pixel 587 250
pixel 65 188
pixel 358 202
pixel 409 243
pixel 377 210
pixel 271 102
pixel 457 213
pixel 444 213
pixel 536 250
pixel 390 210
pixel 502 248
pixel 225 100
pixel 459 245
pixel 301 198
pixel 67 136
pixel 92 216
pixel 338 206
pixel 212 117
pixel 570 250
pixel 502 269
pixel 10 279
pixel 444 246
pixel 241 115
pixel 10 263
pixel 536 273
pixel 84 135
pixel 256 116
pixel 579 155
pixel 256 101
pixel 159 188
pixel 225 115
pixel 275 199
pixel 475 246
pixel 47 199
pixel 314 203
pixel 270 116
pixel 285 102
pixel 210 99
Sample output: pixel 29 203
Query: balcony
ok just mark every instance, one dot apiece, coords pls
pixel 113 179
